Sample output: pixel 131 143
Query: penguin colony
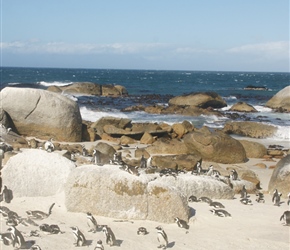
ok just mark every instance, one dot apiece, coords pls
pixel 13 237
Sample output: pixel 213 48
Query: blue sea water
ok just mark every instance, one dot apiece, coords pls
pixel 160 85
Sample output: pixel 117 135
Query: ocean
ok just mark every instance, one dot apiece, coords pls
pixel 150 87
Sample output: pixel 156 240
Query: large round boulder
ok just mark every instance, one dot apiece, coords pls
pixel 111 192
pixel 201 100
pixel 254 149
pixel 280 178
pixel 250 129
pixel 215 146
pixel 42 113
pixel 35 172
pixel 280 101
pixel 85 88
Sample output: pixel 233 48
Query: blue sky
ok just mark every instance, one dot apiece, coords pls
pixel 229 35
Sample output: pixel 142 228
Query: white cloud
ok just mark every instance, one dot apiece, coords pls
pixel 36 46
pixel 272 50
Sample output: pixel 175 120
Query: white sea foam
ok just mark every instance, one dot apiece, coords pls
pixel 55 83
pixel 262 108
pixel 94 115
pixel 283 133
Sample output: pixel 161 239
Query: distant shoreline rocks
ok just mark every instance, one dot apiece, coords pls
pixel 251 87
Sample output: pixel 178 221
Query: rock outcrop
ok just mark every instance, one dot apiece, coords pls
pixel 254 149
pixel 250 129
pixel 109 191
pixel 35 172
pixel 280 178
pixel 200 100
pixel 243 107
pixel 42 114
pixel 215 146
pixel 280 101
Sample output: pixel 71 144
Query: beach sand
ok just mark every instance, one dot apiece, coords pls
pixel 250 227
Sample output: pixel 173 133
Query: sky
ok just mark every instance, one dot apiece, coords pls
pixel 218 35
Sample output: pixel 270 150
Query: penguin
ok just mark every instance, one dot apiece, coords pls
pixel 234 175
pixel 216 204
pixel 96 159
pixel 205 199
pixel 162 238
pixel 7 238
pixel 18 239
pixel 92 223
pixel 4 211
pixel 288 202
pixel 142 231
pixel 7 194
pixel 192 198
pixel 286 217
pixel 246 201
pixel 275 193
pixel 181 223
pixel 260 197
pixel 220 212
pixel 143 162
pixel 244 193
pixel 197 168
pixel 277 199
pixel 79 237
pixel 35 247
pixel 132 170
pixel 110 237
pixel 99 245
pixel 39 215
pixel 49 146
pixel 85 152
pixel 45 228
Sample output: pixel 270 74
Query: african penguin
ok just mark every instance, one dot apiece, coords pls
pixel 275 193
pixel 17 237
pixel 181 223
pixel 142 231
pixel 286 217
pixel 92 223
pixel 220 212
pixel 192 198
pixel 35 247
pixel 39 215
pixel 234 175
pixel 246 201
pixel 162 238
pixel 110 237
pixel 7 194
pixel 7 238
pixel 143 162
pixel 79 237
pixel 260 197
pixel 204 199
pixel 216 204
pixel 277 199
pixel 49 146
pixel 244 193
pixel 99 245
pixel 288 202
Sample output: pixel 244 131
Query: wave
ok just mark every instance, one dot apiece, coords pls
pixel 282 133
pixel 54 83
pixel 94 115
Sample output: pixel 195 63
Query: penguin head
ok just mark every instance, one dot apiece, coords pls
pixel 176 219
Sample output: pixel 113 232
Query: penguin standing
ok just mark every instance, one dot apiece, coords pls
pixel 79 237
pixel 260 197
pixel 110 237
pixel 288 202
pixel 234 175
pixel 7 194
pixel 286 217
pixel 197 168
pixel 84 151
pixel 244 193
pixel 275 193
pixel 92 223
pixel 17 237
pixel 99 245
pixel 96 157
pixel 143 162
pixel 39 215
pixel 181 223
pixel 162 238
pixel 277 199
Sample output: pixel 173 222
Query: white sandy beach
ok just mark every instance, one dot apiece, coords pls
pixel 251 227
